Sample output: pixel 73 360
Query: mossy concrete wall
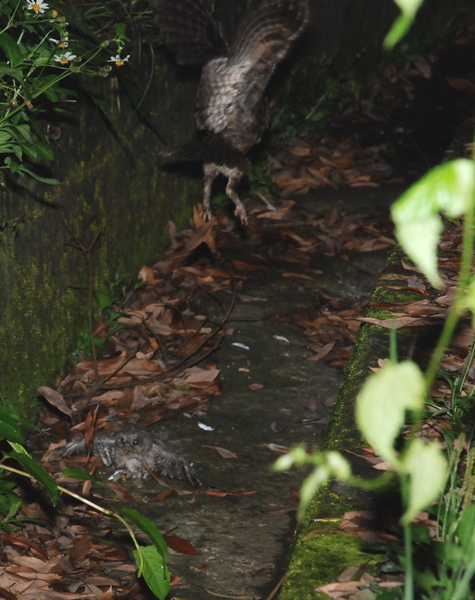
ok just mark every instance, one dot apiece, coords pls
pixel 109 186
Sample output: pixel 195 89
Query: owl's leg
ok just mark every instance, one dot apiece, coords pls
pixel 210 174
pixel 234 177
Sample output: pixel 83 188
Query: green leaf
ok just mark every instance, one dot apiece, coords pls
pixel 448 188
pixel 30 150
pixel 402 24
pixel 318 477
pixel 10 47
pixel 382 404
pixel 398 30
pixel 427 469
pixel 12 416
pixel 12 165
pixel 12 506
pixel 297 456
pixel 22 132
pixel 154 571
pixel 103 299
pixel 466 530
pixel 5 136
pixel 10 431
pixel 36 470
pixel 120 30
pixel 409 7
pixel 80 474
pixel 149 528
pixel 45 152
pixel 6 70
pixel 48 180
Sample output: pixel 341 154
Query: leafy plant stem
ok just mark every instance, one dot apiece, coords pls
pixel 105 511
pixel 9 114
pixel 408 567
pixel 10 20
pixel 17 471
pixel 458 305
pixel 93 505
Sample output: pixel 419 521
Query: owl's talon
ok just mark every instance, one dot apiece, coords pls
pixel 241 214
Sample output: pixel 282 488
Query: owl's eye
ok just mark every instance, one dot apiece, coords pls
pixel 122 440
pixel 136 441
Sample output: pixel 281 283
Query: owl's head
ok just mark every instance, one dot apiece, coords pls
pixel 133 439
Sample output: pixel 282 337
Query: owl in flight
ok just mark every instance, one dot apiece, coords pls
pixel 231 112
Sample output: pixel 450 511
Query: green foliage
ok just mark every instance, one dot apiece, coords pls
pixel 149 528
pixel 34 468
pixel 151 560
pixel 381 412
pixel 261 180
pixel 328 465
pixel 154 571
pixel 383 402
pixel 448 188
pixel 397 392
pixel 10 425
pixel 41 46
pixel 453 569
pixel 10 503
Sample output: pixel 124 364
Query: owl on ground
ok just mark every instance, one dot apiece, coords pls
pixel 134 452
pixel 231 112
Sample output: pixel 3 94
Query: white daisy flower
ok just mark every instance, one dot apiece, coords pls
pixel 37 6
pixel 64 58
pixel 64 43
pixel 118 60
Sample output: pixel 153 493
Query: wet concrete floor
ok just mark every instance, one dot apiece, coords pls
pixel 243 539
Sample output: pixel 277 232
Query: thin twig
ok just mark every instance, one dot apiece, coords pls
pixel 97 385
pixel 185 361
pixel 87 252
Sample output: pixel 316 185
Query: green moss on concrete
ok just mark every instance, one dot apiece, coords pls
pixel 318 558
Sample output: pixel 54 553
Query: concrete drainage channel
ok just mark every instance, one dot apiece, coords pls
pixel 273 395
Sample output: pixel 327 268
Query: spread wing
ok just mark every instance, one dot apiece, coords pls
pixel 190 30
pixel 230 95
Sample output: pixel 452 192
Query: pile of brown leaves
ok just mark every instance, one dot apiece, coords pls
pixel 303 165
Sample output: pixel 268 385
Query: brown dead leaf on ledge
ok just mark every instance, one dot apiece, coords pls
pixel 344 589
